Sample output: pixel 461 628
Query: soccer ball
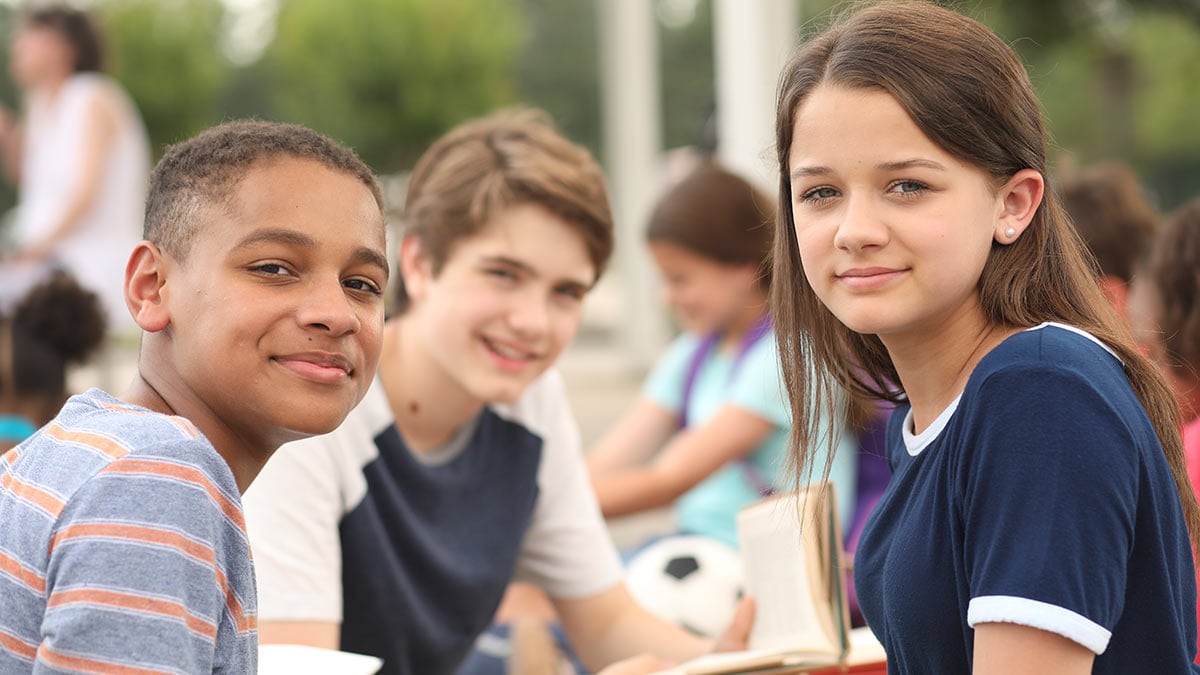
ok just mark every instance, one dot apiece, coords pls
pixel 693 581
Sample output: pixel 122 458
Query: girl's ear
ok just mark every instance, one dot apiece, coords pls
pixel 1019 200
pixel 146 287
pixel 415 267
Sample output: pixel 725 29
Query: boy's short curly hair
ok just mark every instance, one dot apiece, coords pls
pixel 203 172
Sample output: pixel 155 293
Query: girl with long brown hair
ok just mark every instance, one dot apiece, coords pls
pixel 1038 516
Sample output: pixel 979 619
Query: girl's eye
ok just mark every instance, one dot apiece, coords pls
pixel 572 292
pixel 908 187
pixel 363 285
pixel 818 194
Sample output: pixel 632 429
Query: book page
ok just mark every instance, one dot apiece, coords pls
pixel 791 553
pixel 864 648
pixel 788 569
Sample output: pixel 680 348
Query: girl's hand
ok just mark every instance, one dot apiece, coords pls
pixel 737 634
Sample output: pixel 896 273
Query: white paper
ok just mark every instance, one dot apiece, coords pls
pixel 777 576
pixel 305 660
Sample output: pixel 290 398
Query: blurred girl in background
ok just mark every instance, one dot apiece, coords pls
pixel 57 324
pixel 709 432
pixel 80 158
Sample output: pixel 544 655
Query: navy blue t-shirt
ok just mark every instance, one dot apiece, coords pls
pixel 413 594
pixel 1040 497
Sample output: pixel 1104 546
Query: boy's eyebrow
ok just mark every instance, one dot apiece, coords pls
pixel 513 262
pixel 900 165
pixel 369 256
pixel 362 254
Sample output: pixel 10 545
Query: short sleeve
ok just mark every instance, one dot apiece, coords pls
pixel 664 384
pixel 567 549
pixel 1049 488
pixel 149 570
pixel 297 550
pixel 757 386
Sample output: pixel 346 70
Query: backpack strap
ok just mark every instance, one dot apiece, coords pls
pixel 761 327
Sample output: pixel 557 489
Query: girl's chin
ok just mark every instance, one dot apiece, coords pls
pixel 694 324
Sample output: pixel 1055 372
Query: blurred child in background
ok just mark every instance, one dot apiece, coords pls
pixel 1116 220
pixel 1164 309
pixel 57 324
pixel 708 433
pixel 79 155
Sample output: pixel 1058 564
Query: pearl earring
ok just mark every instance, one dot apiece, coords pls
pixel 1010 232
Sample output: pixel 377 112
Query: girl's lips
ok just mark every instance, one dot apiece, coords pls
pixel 869 278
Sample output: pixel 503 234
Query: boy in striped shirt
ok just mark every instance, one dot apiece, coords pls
pixel 259 291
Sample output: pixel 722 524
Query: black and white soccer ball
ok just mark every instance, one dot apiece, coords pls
pixel 693 581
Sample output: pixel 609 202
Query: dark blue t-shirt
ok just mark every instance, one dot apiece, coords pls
pixel 414 594
pixel 1040 497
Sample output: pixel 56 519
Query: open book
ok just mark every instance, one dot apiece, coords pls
pixel 791 548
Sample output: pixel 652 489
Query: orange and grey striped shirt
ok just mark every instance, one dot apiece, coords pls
pixel 123 548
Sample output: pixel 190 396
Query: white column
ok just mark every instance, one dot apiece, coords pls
pixel 753 40
pixel 632 141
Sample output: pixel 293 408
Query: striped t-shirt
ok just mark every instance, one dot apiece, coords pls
pixel 122 548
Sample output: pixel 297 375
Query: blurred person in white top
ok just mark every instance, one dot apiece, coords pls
pixel 79 155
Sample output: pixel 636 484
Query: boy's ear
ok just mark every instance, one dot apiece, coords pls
pixel 145 278
pixel 1020 198
pixel 415 267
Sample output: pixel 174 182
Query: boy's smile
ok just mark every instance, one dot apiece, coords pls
pixel 277 310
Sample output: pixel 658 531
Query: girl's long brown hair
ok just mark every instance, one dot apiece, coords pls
pixel 970 94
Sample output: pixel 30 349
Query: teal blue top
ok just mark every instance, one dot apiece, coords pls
pixel 710 508
pixel 15 429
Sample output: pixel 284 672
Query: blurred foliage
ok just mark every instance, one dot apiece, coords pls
pixel 165 53
pixel 388 76
pixel 1117 78
pixel 688 65
pixel 558 68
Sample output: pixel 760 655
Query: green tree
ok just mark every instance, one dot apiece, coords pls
pixel 558 67
pixel 388 76
pixel 166 54
pixel 688 60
